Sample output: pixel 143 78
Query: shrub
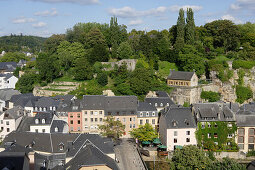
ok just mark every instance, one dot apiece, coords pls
pixel 243 64
pixel 102 79
pixel 243 93
pixel 210 96
pixel 250 153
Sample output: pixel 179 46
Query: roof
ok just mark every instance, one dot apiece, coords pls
pixel 91 156
pixel 7 65
pixel 161 94
pixel 93 102
pixel 6 94
pixel 245 120
pixel 144 106
pixel 166 101
pixel 14 113
pixel 48 117
pixel 50 161
pixel 24 126
pixel 248 107
pixel 14 160
pixel 180 75
pixel 179 117
pixel 24 100
pixel 60 124
pixel 46 102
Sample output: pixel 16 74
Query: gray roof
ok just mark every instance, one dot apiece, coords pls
pixel 248 107
pixel 6 94
pixel 46 102
pixel 144 106
pixel 180 75
pixel 161 94
pixel 48 117
pixel 60 124
pixel 159 100
pixel 180 116
pixel 24 100
pixel 6 76
pixel 50 160
pixel 14 160
pixel 7 65
pixel 14 113
pixel 24 126
pixel 245 120
pixel 93 102
pixel 90 156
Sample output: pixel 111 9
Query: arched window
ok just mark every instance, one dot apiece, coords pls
pixel 56 129
pixel 161 104
pixel 43 121
pixel 156 104
pixel 36 121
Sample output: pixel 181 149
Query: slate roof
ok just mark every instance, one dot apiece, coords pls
pixel 60 124
pixel 144 106
pixel 14 113
pixel 90 156
pixel 248 107
pixel 180 75
pixel 8 65
pixel 93 102
pixel 50 161
pixel 161 94
pixel 24 100
pixel 24 126
pixel 182 116
pixel 245 120
pixel 159 100
pixel 14 160
pixel 6 76
pixel 6 94
pixel 48 117
pixel 46 102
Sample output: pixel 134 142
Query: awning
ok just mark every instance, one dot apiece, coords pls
pixel 156 141
pixel 146 142
pixel 162 146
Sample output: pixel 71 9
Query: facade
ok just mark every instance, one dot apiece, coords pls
pixel 147 113
pixel 5 96
pixel 7 81
pixel 75 117
pixel 216 124
pixel 177 127
pixel 7 67
pixel 182 78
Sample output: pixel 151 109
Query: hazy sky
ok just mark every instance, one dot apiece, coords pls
pixel 47 17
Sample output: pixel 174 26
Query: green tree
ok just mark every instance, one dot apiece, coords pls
pixel 179 43
pixel 13 56
pixel 144 133
pixel 226 163
pixel 98 54
pixel 112 128
pixel 102 79
pixel 26 82
pixel 52 43
pixel 124 51
pixel 190 27
pixel 82 70
pixel 210 96
pixel 243 93
pixel 190 157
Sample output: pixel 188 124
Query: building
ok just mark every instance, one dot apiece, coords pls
pixel 182 78
pixel 14 160
pixel 245 120
pixel 7 81
pixel 216 126
pixel 159 99
pixel 10 120
pixel 75 117
pixel 5 97
pixel 147 113
pixel 7 67
pixel 177 127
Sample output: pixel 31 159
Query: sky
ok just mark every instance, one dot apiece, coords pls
pixel 47 17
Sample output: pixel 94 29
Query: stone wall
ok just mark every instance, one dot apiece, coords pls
pixel 131 63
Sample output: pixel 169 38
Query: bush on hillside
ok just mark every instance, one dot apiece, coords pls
pixel 210 96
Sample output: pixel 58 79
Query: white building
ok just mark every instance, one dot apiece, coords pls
pixel 10 120
pixel 7 81
pixel 177 127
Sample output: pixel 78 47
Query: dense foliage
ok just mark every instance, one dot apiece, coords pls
pixel 144 133
pixel 243 93
pixel 210 96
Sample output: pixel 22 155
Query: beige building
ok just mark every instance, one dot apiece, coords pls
pixel 147 113
pixel 182 78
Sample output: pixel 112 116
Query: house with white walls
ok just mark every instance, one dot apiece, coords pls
pixel 7 81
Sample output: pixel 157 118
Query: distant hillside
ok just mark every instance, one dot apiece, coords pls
pixel 21 43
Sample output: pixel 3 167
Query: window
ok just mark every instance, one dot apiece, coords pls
pixel 161 104
pixel 79 122
pixel 43 121
pixel 91 119
pixel 153 121
pixel 251 139
pixel 2 122
pixel 79 129
pixel 203 126
pixel 101 119
pixel 240 132
pixel 147 120
pixel 109 113
pixel 209 125
pixel 230 135
pixel 71 129
pixel 215 125
pixel 147 114
pixel 130 125
pixel 86 119
pixel 187 139
pixel 36 121
pixel 251 146
pixel 167 104
pixel 187 132
pixel 209 135
pixel 118 113
pixel 44 109
pixel 141 114
pixel 100 112
pixel 36 130
pixel 241 146
pixel 8 129
pixel 230 125
pixel 215 135
pixel 240 139
pixel 133 125
pixel 156 104
pixel 153 113
pixel 78 115
pixel 251 132
pixel 86 127
pixel 175 140
pixel 134 119
pixel 56 129
pixel 2 128
pixel 175 133
pixel 141 122
pixel 71 122
pixel 61 147
pixel 7 123
pixel 91 127
pixel 43 130
pixel 95 112
pixel 86 112
pixel 95 119
pixel 91 112
pixel 130 119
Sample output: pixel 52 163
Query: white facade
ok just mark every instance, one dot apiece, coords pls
pixel 40 128
pixel 8 83
pixel 8 125
pixel 194 80
pixel 180 137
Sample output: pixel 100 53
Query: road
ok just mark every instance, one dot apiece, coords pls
pixel 128 156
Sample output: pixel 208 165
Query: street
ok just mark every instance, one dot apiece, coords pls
pixel 128 156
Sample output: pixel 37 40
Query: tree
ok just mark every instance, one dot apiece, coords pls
pixel 190 27
pixel 190 157
pixel 98 54
pixel 52 43
pixel 226 163
pixel 210 96
pixel 95 37
pixel 13 57
pixel 124 51
pixel 26 82
pixel 144 133
pixel 179 43
pixel 112 128
pixel 82 70
pixel 102 79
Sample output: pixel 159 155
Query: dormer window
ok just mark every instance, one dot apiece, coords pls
pixel 174 123
pixel 147 113
pixel 186 122
pixel 36 121
pixel 153 113
pixel 167 104
pixel 156 104
pixel 61 146
pixel 56 129
pixel 43 121
pixel 161 104
pixel 141 114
